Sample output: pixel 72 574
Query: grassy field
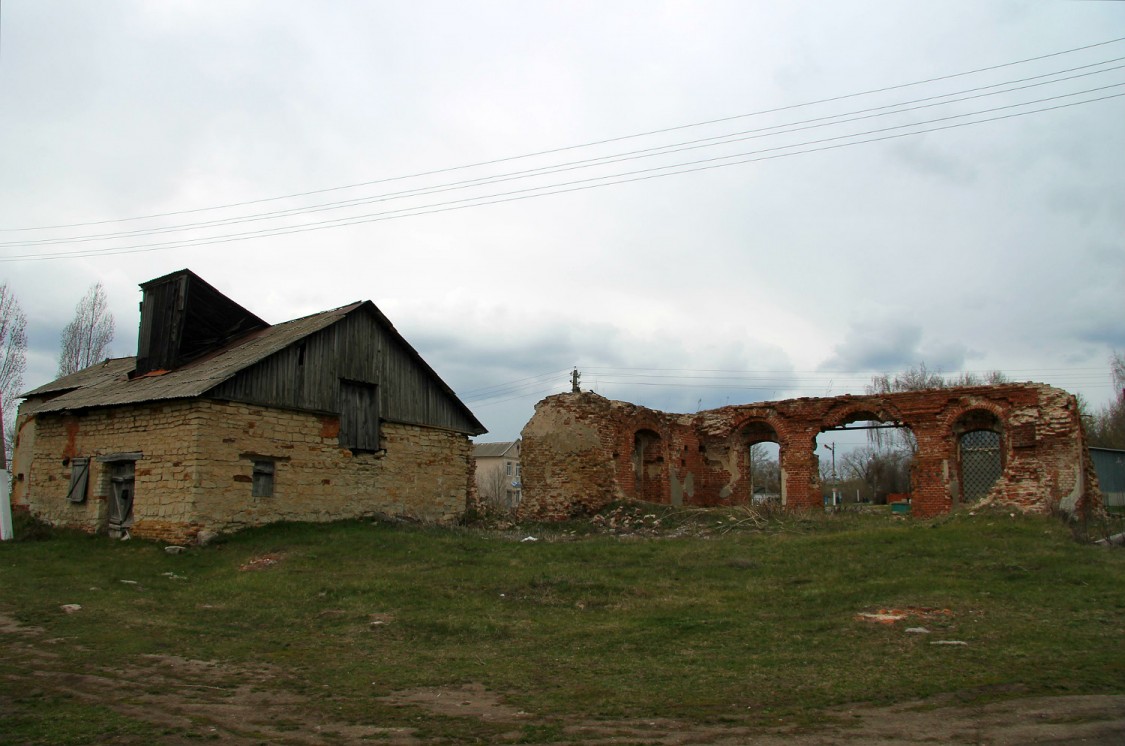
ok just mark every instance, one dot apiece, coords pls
pixel 703 617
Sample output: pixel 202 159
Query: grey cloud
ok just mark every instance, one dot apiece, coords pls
pixel 889 346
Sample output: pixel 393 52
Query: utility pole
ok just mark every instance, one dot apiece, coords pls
pixel 835 493
pixel 575 377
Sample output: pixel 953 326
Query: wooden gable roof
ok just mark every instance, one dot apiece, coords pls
pixel 267 366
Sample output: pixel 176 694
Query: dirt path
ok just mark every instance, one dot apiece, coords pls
pixel 254 705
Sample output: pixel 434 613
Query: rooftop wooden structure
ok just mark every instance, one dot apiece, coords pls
pixel 196 342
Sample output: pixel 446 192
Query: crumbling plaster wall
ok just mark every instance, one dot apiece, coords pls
pixel 582 451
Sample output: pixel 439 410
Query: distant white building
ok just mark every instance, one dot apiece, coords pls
pixel 498 472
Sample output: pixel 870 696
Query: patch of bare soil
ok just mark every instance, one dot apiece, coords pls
pixel 251 705
pixel 192 699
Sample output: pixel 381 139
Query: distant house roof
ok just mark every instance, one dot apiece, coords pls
pixel 493 450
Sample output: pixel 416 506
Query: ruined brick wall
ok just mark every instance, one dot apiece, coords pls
pixel 194 472
pixel 581 451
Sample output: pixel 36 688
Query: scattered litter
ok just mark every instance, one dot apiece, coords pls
pixel 130 582
pixel 890 616
pixel 71 608
pixel 528 538
pixel 918 630
pixel 174 549
pixel 880 618
pixel 173 576
pixel 949 642
pixel 1115 540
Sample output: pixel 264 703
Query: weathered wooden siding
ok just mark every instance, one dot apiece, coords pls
pixel 159 337
pixel 183 318
pixel 360 348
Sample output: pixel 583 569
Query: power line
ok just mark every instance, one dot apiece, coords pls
pixel 656 151
pixel 573 186
pixel 566 148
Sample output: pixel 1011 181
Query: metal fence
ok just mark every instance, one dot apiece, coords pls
pixel 1109 463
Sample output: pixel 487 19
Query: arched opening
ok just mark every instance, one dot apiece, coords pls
pixel 763 458
pixel 648 466
pixel 979 453
pixel 867 457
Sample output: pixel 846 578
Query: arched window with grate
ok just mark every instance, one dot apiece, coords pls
pixel 980 463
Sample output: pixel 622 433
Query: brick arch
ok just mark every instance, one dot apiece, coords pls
pixel 959 421
pixel 949 417
pixel 749 431
pixel 855 411
pixel 739 429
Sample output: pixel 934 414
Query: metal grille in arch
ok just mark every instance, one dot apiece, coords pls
pixel 980 463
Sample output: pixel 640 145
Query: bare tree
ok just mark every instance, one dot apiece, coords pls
pixel 1106 427
pixel 880 470
pixel 765 472
pixel 13 359
pixel 918 379
pixel 493 486
pixel 86 338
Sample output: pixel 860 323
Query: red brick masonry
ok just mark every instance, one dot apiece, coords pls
pixel 582 451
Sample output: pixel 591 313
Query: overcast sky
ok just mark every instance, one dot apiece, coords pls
pixel 696 203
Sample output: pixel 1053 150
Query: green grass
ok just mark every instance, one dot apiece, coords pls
pixel 715 625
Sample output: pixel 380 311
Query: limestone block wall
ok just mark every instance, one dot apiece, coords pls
pixel 422 472
pixel 194 471
pixel 165 476
pixel 581 451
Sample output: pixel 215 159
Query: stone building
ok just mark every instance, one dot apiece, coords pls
pixel 1019 445
pixel 223 421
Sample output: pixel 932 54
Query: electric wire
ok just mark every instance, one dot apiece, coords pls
pixel 576 185
pixel 604 141
pixel 655 151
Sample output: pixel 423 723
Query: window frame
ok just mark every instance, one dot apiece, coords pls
pixel 263 473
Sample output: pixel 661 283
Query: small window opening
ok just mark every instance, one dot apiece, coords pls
pixel 263 478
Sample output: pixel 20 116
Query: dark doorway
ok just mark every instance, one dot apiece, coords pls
pixel 648 466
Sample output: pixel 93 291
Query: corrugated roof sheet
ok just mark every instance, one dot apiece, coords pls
pixel 108 383
pixel 492 450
